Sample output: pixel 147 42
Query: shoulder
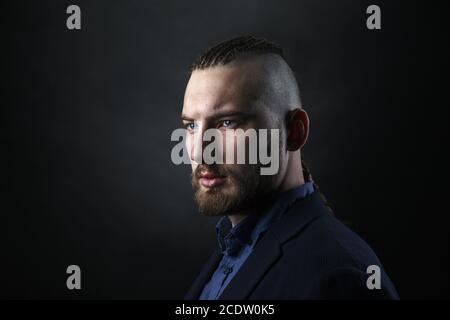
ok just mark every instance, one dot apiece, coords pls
pixel 326 242
pixel 332 261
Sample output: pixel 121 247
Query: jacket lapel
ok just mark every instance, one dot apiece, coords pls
pixel 210 266
pixel 268 250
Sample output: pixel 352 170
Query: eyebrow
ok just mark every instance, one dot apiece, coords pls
pixel 219 115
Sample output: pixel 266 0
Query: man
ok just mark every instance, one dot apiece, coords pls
pixel 277 238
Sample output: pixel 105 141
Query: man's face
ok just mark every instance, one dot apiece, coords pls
pixel 224 98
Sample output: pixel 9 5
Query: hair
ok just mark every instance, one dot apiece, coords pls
pixel 229 50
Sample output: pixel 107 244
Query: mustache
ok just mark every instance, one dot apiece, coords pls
pixel 211 169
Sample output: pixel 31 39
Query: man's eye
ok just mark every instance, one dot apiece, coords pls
pixel 228 123
pixel 190 126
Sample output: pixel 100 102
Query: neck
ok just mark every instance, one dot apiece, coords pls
pixel 293 175
pixel 236 218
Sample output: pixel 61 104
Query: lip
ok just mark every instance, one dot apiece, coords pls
pixel 209 180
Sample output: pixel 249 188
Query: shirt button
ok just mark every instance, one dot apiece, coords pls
pixel 226 269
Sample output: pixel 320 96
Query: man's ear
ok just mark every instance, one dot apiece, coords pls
pixel 297 124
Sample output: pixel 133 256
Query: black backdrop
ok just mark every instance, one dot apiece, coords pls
pixel 87 177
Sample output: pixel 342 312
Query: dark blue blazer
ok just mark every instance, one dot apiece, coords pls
pixel 308 254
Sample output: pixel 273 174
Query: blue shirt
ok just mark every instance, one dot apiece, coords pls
pixel 238 242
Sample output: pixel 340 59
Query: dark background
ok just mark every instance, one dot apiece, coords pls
pixel 86 123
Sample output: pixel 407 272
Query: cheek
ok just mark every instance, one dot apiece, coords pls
pixel 237 171
pixel 237 146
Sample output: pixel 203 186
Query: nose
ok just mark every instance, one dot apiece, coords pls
pixel 197 145
pixel 207 137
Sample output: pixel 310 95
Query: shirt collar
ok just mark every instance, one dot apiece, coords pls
pixel 248 231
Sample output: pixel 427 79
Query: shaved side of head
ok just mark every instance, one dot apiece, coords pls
pixel 272 81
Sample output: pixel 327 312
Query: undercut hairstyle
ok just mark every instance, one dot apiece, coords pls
pixel 228 51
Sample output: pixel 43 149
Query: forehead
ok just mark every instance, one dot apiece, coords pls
pixel 221 88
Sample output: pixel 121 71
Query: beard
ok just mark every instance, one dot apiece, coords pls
pixel 244 188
